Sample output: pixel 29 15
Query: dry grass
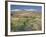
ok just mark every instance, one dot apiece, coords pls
pixel 26 21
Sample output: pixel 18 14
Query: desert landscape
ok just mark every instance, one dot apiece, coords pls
pixel 25 21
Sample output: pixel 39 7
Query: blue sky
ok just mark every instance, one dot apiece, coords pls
pixel 22 7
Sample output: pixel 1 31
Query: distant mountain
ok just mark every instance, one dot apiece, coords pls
pixel 20 12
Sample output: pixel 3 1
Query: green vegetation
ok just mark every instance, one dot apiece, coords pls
pixel 27 22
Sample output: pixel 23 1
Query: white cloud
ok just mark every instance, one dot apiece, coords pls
pixel 30 9
pixel 16 10
pixel 24 10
